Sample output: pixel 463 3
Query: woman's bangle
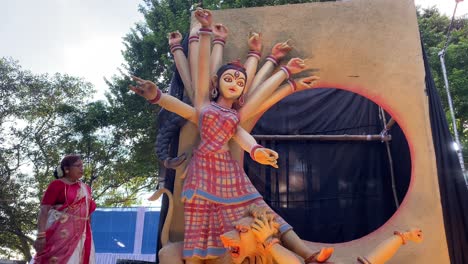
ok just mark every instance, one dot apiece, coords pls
pixel 272 59
pixel 253 149
pixel 270 243
pixel 254 53
pixel 176 47
pixel 155 100
pixel 287 71
pixel 193 39
pixel 400 235
pixel 203 30
pixel 219 41
pixel 293 85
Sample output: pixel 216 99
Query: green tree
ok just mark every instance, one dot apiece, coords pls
pixel 433 27
pixel 44 117
pixel 32 110
pixel 147 55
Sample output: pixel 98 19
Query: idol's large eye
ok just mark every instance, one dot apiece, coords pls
pixel 240 83
pixel 243 230
pixel 227 79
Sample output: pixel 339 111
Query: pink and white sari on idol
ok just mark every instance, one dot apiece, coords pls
pixel 68 230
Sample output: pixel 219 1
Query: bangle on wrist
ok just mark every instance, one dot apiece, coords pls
pixel 287 71
pixel 269 243
pixel 293 85
pixel 272 59
pixel 205 30
pixel 193 38
pixel 400 235
pixel 156 99
pixel 176 47
pixel 219 41
pixel 253 149
pixel 254 53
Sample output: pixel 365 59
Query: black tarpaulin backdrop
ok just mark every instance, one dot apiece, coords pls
pixel 337 191
pixel 453 191
pixel 331 191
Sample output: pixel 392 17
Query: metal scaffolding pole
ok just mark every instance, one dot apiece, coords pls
pixel 441 54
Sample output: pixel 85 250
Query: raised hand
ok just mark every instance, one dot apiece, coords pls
pixel 255 42
pixel 195 28
pixel 266 157
pixel 281 49
pixel 174 38
pixel 220 31
pixel 263 228
pixel 144 88
pixel 306 83
pixel 204 17
pixel 296 65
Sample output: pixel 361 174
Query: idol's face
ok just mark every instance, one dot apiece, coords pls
pixel 241 242
pixel 231 84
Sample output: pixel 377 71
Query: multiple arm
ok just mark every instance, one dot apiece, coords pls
pixel 294 66
pixel 181 61
pixel 257 98
pixel 193 56
pixel 203 66
pixel 150 91
pixel 260 154
pixel 283 256
pixel 282 92
pixel 278 52
pixel 176 106
pixel 385 250
pixel 264 228
pixel 251 64
pixel 261 75
pixel 220 33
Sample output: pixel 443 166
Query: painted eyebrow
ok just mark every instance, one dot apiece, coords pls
pixel 242 226
pixel 232 76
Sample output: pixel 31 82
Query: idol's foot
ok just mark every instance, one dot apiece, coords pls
pixel 321 256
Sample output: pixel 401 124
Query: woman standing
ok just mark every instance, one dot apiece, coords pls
pixel 64 230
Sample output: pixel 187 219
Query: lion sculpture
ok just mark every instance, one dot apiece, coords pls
pixel 254 240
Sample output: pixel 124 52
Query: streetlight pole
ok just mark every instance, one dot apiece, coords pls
pixel 441 54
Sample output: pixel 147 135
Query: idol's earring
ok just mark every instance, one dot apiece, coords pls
pixel 241 100
pixel 214 93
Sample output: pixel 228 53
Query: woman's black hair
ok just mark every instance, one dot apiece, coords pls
pixel 67 161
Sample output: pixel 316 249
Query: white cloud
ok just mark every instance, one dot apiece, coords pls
pixel 82 38
pixel 445 6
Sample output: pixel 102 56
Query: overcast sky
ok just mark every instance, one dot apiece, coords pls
pixel 80 37
pixel 84 37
